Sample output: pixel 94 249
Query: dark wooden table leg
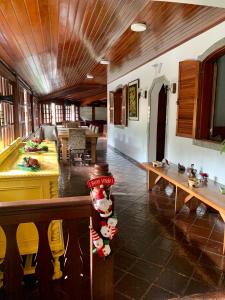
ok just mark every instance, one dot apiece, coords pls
pixel 223 217
pixel 180 197
pixel 152 178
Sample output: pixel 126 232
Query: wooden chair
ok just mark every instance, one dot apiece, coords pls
pixel 50 133
pixel 64 123
pixel 96 130
pixel 77 146
pixel 75 124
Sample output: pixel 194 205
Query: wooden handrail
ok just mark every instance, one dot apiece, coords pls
pixel 23 211
pixel 79 277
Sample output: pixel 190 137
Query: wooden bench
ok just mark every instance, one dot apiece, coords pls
pixel 208 194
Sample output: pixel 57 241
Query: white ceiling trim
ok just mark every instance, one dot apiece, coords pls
pixel 215 3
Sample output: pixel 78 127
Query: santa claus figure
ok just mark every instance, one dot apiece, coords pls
pixel 101 203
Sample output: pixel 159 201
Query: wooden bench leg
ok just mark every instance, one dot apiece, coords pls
pixel 180 198
pixel 223 217
pixel 153 179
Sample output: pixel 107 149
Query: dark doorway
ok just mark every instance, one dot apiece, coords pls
pixel 161 124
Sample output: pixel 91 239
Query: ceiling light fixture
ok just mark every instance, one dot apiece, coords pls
pixel 104 62
pixel 138 27
pixel 89 76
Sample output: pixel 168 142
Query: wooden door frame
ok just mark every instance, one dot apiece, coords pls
pixel 153 105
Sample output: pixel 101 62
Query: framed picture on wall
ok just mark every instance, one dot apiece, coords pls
pixel 133 101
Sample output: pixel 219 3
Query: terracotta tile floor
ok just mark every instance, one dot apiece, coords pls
pixel 157 255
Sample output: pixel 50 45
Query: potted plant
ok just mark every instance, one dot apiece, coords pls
pixel 223 147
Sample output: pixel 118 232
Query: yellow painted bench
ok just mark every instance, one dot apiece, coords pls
pixel 15 185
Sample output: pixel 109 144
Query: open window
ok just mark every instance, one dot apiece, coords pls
pixel 188 90
pixel 201 98
pixel 36 113
pixel 118 106
pixel 46 113
pixel 59 113
pixel 211 114
pixel 24 112
pixel 6 113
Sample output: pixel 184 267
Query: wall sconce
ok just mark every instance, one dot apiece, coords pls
pixel 172 88
pixel 142 93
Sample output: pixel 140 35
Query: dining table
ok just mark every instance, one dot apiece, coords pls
pixel 63 135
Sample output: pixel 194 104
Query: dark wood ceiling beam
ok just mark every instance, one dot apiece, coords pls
pixel 81 88
pixel 92 99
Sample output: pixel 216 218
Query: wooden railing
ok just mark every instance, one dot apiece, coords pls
pixel 75 264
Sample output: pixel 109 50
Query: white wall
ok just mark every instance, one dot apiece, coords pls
pixel 101 113
pixel 132 140
pixel 86 113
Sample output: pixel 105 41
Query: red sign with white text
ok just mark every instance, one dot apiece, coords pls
pixel 105 180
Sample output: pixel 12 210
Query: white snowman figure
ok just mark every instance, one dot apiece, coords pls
pixel 101 203
pixel 105 230
pixel 112 222
pixel 108 230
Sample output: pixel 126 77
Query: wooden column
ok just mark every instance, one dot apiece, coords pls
pixel 64 112
pixel 93 113
pixel 42 113
pixel 39 113
pixel 16 108
pixel 32 112
pixel 102 267
pixel 78 111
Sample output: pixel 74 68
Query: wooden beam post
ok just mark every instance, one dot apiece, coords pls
pixel 32 112
pixel 102 267
pixel 93 113
pixel 16 108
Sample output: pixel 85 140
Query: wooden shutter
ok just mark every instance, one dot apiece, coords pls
pixel 111 107
pixel 124 119
pixel 187 97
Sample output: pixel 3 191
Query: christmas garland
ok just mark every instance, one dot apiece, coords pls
pixel 29 164
pixel 34 145
pixel 104 206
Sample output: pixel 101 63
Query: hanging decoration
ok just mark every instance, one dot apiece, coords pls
pixel 100 194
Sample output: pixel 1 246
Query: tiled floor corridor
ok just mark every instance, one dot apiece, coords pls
pixel 157 256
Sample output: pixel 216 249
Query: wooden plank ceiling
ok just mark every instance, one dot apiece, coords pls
pixel 169 25
pixel 53 44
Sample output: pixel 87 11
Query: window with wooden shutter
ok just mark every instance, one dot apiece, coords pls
pixel 188 91
pixel 124 119
pixel 111 107
pixel 36 113
pixel 6 113
pixel 46 113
